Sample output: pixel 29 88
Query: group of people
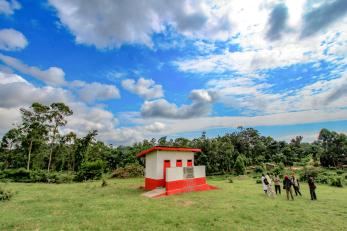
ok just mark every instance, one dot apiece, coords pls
pixel 289 183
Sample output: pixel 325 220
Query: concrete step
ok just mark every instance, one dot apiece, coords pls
pixel 155 193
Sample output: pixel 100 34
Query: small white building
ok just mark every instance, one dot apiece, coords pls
pixel 173 168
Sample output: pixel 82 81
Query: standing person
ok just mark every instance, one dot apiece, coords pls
pixel 287 185
pixel 269 186
pixel 296 185
pixel 312 187
pixel 264 183
pixel 277 184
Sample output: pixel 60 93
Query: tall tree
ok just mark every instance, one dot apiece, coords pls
pixel 33 127
pixel 56 117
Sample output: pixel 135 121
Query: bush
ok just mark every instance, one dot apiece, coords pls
pixel 16 175
pixel 130 170
pixel 258 181
pixel 5 195
pixel 239 166
pixel 259 169
pixel 336 181
pixel 230 179
pixel 308 172
pixel 340 172
pixel 91 170
pixel 103 183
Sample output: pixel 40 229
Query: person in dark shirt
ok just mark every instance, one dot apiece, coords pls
pixel 296 185
pixel 287 185
pixel 312 187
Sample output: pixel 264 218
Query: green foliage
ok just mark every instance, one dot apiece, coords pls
pixel 104 183
pixel 16 175
pixel 130 170
pixel 259 169
pixel 5 195
pixel 336 181
pixel 230 179
pixel 308 172
pixel 35 176
pixel 239 166
pixel 91 170
pixel 258 181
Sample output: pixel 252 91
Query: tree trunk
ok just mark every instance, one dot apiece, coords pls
pixel 50 159
pixel 51 152
pixel 29 154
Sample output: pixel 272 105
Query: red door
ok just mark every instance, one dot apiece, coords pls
pixel 189 163
pixel 178 163
pixel 166 165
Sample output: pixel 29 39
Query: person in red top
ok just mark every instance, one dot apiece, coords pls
pixel 312 187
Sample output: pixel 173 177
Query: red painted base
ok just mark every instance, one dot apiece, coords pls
pixel 151 184
pixel 190 185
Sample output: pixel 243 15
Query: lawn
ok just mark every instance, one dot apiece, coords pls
pixel 234 206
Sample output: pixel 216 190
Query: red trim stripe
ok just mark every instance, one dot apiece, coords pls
pixel 161 148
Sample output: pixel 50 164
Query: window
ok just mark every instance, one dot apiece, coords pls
pixel 189 163
pixel 178 163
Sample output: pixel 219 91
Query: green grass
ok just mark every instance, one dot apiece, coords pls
pixel 235 206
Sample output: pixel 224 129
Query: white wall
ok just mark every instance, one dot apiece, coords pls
pixel 151 165
pixel 199 171
pixel 173 174
pixel 172 156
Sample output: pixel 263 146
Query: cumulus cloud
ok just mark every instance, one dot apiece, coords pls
pixel 201 105
pixel 51 76
pixel 155 127
pixel 251 95
pixel 8 7
pixel 322 16
pixel 12 40
pixel 90 92
pixel 277 21
pixel 16 92
pixel 145 88
pixel 109 24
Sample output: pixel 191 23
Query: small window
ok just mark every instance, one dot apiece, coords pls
pixel 189 163
pixel 178 163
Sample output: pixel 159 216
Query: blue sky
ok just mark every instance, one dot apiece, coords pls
pixel 135 70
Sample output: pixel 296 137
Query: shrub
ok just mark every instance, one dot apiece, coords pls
pixel 230 179
pixel 308 172
pixel 258 181
pixel 130 170
pixel 340 172
pixel 5 195
pixel 336 181
pixel 239 166
pixel 90 170
pixel 103 183
pixel 17 175
pixel 259 169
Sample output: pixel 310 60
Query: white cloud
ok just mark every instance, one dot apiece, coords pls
pixel 12 40
pixel 90 92
pixel 51 76
pixel 16 92
pixel 8 7
pixel 201 105
pixel 109 24
pixel 146 88
pixel 255 52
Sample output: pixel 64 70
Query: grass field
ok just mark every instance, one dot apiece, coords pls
pixel 235 206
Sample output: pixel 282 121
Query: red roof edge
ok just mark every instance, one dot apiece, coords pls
pixel 163 148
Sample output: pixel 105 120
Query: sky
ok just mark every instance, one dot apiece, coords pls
pixel 137 69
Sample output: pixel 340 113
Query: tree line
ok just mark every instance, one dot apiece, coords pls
pixel 38 143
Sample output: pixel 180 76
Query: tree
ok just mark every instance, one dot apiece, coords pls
pixel 56 117
pixel 33 127
pixel 239 166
